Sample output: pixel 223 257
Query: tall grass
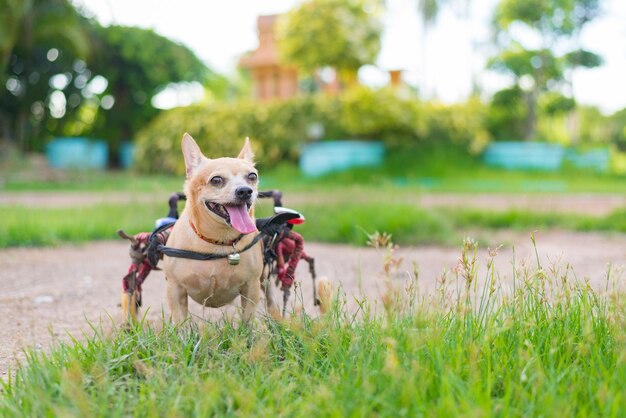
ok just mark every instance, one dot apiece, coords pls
pixel 541 345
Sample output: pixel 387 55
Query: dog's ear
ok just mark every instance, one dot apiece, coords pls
pixel 193 155
pixel 246 153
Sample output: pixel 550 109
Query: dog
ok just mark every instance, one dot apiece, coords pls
pixel 218 218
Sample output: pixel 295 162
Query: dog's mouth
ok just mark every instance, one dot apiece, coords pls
pixel 235 214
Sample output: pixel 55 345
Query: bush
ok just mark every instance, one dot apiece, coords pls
pixel 278 129
pixel 275 130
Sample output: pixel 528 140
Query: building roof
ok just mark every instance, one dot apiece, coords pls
pixel 267 52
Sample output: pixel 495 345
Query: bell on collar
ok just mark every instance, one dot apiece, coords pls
pixel 234 258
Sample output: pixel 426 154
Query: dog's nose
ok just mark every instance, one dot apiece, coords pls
pixel 243 193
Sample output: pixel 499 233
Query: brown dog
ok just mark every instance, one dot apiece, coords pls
pixel 217 219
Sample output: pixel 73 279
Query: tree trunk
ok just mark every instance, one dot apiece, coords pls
pixel 530 126
pixel 6 138
pixel 20 132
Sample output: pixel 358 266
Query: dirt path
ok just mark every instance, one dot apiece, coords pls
pixel 47 293
pixel 581 203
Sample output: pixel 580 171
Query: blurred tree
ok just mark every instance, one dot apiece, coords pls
pixel 618 129
pixel 39 40
pixel 137 64
pixel 506 114
pixel 554 103
pixel 342 34
pixel 536 71
pixel 63 73
pixel 13 12
pixel 428 11
pixel 597 128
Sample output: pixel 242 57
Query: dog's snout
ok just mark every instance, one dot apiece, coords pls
pixel 243 193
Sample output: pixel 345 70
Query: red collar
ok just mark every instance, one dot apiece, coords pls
pixel 212 241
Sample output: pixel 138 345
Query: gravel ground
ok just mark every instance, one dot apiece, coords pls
pixel 50 293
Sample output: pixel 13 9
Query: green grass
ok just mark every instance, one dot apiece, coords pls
pixel 411 225
pixel 334 221
pixel 351 222
pixel 547 347
pixel 25 226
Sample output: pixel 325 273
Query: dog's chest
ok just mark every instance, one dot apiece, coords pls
pixel 216 283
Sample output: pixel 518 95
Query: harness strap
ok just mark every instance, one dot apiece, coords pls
pixel 194 255
pixel 156 248
pixel 156 242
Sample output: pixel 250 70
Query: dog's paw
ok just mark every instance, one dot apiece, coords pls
pixel 325 294
pixel 129 308
pixel 274 313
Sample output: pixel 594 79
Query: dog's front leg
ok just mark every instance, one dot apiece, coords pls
pixel 178 301
pixel 250 295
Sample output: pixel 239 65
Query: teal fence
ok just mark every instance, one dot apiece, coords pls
pixel 77 153
pixel 597 159
pixel 127 154
pixel 543 156
pixel 329 156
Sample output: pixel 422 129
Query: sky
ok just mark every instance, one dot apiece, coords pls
pixel 444 66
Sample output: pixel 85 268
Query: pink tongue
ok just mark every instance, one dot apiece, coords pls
pixel 240 219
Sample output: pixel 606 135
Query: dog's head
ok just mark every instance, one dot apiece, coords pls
pixel 223 189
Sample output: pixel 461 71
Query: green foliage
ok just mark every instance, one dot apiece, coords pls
pixel 429 10
pixel 557 17
pixel 50 55
pixel 343 34
pixel 542 65
pixel 540 70
pixel 276 131
pixel 459 124
pixel 554 103
pixel 143 59
pixel 13 12
pixel 28 31
pixel 618 128
pixel 137 63
pixel 26 25
pixel 279 129
pixel 551 346
pixel 582 58
pixel 506 114
pixel 363 113
pixel 528 11
pixel 594 127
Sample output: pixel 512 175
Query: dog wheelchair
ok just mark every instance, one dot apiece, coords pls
pixel 283 248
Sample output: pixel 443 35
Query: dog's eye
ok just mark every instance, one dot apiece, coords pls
pixel 217 181
pixel 252 177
